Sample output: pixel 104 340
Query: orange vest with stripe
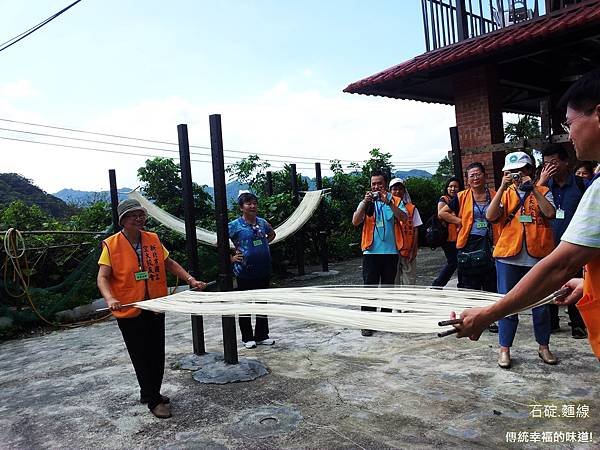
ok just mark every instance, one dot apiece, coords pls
pixel 368 230
pixel 408 231
pixel 589 305
pixel 452 228
pixel 124 264
pixel 465 211
pixel 537 234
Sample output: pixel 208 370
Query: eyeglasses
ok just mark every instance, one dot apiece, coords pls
pixel 140 216
pixel 566 125
pixel 476 175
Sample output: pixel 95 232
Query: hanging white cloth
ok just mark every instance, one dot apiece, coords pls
pixel 302 214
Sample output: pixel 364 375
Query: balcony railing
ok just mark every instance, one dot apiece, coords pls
pixel 448 21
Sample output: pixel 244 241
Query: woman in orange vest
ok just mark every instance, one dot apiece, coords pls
pixel 580 244
pixel 406 273
pixel 524 212
pixel 452 187
pixel 467 210
pixel 132 267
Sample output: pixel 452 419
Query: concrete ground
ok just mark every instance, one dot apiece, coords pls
pixel 327 387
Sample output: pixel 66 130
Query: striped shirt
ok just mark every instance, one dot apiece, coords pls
pixel 584 228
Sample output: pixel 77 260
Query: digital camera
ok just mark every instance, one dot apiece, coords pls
pixel 375 195
pixel 515 176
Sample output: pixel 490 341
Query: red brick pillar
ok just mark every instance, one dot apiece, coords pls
pixel 479 119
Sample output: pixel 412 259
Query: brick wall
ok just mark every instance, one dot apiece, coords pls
pixel 479 118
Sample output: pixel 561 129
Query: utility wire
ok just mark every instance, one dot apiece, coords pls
pixel 26 33
pixel 119 152
pixel 303 166
pixel 12 130
pixel 310 158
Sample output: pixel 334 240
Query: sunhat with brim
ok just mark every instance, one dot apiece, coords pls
pixel 396 181
pixel 516 160
pixel 127 206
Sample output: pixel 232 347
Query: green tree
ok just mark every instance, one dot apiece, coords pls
pixel 251 171
pixel 526 127
pixel 444 171
pixel 22 217
pixel 378 161
pixel 162 183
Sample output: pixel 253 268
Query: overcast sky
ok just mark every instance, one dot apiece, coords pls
pixel 273 69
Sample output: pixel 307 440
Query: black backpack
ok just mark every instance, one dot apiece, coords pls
pixel 436 233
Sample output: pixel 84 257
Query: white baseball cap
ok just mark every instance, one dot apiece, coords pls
pixel 396 181
pixel 516 160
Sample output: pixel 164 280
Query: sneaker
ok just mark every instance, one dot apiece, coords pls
pixel 578 333
pixel 493 328
pixel 161 411
pixel 266 342
pixel 250 344
pixel 366 332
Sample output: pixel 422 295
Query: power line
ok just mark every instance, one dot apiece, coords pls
pixel 119 152
pixel 267 155
pixel 26 33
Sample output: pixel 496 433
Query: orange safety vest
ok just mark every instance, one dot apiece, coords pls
pixel 368 230
pixel 452 228
pixel 408 231
pixel 124 264
pixel 589 305
pixel 538 234
pixel 465 210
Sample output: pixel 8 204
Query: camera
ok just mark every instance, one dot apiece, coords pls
pixel 516 176
pixel 526 187
pixel 375 195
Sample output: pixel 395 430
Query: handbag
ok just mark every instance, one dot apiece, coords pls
pixel 475 257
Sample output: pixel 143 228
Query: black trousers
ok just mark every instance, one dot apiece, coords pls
pixel 448 270
pixel 574 317
pixel 485 281
pixel 261 330
pixel 144 337
pixel 379 269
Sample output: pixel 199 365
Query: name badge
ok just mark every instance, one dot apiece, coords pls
pixel 525 218
pixel 139 276
pixel 481 224
pixel 560 213
pixel 257 242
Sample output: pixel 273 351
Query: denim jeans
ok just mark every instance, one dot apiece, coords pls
pixel 508 276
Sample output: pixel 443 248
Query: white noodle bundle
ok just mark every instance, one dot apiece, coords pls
pixel 421 307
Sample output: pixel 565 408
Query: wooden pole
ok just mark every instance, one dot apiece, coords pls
pixel 114 199
pixel 225 277
pixel 322 231
pixel 456 158
pixel 191 243
pixel 300 234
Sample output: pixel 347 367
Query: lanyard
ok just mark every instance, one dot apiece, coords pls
pixel 379 212
pixel 522 200
pixel 487 203
pixel 137 250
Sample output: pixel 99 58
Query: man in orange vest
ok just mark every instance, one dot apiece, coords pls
pixel 132 267
pixel 381 235
pixel 580 244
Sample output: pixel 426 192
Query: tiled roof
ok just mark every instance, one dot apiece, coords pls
pixel 536 30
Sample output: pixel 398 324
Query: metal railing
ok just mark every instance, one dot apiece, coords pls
pixel 448 21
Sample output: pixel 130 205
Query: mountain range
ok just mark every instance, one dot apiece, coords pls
pixel 82 198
